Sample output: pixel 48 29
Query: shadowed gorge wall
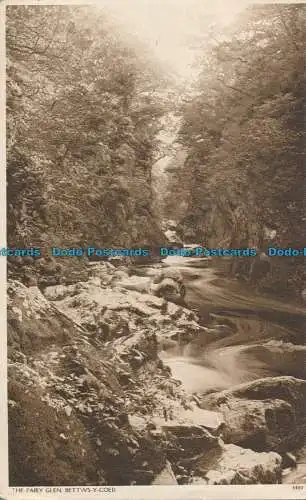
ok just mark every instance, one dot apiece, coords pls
pixel 244 132
pixel 82 118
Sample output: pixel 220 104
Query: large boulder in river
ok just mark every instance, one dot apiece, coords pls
pixel 281 357
pixel 267 414
pixel 193 440
pixel 230 464
pixel 168 283
pixel 167 273
pixel 192 417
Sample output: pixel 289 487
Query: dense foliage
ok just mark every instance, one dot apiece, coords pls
pixel 83 113
pixel 244 131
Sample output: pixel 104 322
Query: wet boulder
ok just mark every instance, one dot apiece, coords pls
pixel 267 414
pixel 281 357
pixel 137 283
pixel 192 439
pixel 230 464
pixel 169 289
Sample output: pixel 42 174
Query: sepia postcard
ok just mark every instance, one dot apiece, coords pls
pixel 153 249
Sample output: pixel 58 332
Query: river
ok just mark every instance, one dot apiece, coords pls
pixel 262 336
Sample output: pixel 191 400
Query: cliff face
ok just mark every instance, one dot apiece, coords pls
pixel 82 125
pixel 245 139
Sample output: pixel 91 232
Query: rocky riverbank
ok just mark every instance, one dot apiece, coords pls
pixel 92 403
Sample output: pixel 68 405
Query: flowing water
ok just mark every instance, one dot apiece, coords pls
pixel 248 337
pixel 262 336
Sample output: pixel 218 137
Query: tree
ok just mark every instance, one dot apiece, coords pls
pixel 245 132
pixel 83 114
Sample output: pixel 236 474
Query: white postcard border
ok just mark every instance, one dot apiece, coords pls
pixel 188 492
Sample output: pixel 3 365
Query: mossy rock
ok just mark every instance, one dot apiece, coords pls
pixel 46 447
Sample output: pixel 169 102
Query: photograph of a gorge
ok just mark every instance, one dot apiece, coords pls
pixel 156 243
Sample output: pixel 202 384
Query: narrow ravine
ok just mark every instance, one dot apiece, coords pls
pixel 133 127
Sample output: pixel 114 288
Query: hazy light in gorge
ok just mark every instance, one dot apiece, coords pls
pixel 169 26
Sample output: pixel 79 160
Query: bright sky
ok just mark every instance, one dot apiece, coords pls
pixel 166 24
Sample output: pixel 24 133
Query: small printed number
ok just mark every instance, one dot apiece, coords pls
pixel 298 487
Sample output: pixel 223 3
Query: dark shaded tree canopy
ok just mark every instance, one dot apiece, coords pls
pixel 83 114
pixel 245 134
